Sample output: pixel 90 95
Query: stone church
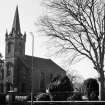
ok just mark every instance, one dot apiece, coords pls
pixel 18 75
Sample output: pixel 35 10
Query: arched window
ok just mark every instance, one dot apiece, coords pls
pixel 51 76
pixel 1 87
pixel 23 87
pixel 20 47
pixel 42 81
pixel 9 65
pixel 1 74
pixel 9 47
pixel 8 86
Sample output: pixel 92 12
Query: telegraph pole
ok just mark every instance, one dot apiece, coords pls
pixel 32 66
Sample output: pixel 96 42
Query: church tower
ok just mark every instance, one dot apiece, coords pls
pixel 14 48
pixel 15 41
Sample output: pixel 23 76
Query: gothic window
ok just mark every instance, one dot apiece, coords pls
pixel 9 47
pixel 1 87
pixel 2 74
pixel 8 69
pixel 20 47
pixel 1 69
pixel 51 76
pixel 8 86
pixel 23 87
pixel 42 81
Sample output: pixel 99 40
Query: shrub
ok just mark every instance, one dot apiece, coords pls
pixel 60 88
pixel 91 89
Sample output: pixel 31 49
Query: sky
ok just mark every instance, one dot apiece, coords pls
pixel 29 13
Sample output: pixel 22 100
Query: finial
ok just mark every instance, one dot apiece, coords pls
pixel 6 34
pixel 6 31
pixel 24 36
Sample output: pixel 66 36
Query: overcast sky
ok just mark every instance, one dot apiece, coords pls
pixel 29 12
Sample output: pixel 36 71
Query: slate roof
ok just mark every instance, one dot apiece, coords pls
pixel 39 63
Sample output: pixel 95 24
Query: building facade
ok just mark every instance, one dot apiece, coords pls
pixel 18 73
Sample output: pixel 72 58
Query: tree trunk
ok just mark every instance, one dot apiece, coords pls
pixel 101 87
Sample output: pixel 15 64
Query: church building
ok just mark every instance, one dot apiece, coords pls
pixel 18 74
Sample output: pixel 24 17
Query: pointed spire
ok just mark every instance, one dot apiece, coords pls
pixel 16 22
pixel 24 36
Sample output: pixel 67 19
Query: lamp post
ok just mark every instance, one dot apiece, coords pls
pixel 32 66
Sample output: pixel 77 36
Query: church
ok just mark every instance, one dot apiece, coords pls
pixel 18 74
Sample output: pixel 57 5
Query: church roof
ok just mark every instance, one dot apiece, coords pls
pixel 40 63
pixel 16 22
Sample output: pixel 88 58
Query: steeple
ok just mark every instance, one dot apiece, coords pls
pixel 16 23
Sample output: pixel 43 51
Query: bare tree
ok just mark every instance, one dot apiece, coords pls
pixel 79 26
pixel 74 76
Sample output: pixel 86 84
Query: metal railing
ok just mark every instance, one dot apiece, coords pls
pixel 61 103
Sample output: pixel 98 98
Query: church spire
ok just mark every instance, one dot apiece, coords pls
pixel 16 23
